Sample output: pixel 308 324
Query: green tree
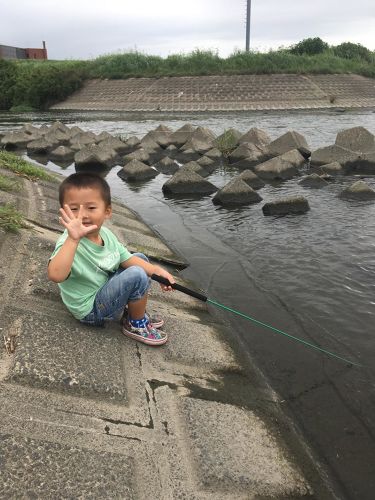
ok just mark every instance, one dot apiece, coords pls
pixel 349 50
pixel 310 46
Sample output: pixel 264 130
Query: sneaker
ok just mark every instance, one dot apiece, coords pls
pixel 147 335
pixel 155 320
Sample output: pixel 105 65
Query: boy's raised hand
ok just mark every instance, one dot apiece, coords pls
pixel 74 225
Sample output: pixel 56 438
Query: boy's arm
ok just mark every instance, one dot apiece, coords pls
pixel 149 268
pixel 60 265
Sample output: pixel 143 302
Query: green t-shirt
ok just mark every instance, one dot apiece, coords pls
pixel 92 266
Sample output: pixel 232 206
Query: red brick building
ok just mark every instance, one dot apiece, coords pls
pixel 8 52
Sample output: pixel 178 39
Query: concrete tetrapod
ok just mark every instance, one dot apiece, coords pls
pixel 236 192
pixel 251 179
pixel 285 206
pixel 357 139
pixel 313 181
pixel 358 191
pixel 137 171
pixel 290 140
pixel 276 169
pixel 186 181
pixel 256 136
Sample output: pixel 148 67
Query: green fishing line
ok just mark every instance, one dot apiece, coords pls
pixel 313 346
pixel 203 298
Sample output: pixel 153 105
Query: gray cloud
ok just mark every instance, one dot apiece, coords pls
pixel 86 29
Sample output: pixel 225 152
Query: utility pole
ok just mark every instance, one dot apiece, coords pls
pixel 248 17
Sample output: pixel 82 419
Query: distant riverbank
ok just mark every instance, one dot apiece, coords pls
pixel 31 85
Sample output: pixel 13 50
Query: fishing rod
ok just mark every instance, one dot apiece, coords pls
pixel 204 298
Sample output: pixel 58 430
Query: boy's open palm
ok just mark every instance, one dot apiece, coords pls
pixel 73 223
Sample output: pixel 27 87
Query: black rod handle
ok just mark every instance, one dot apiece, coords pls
pixel 180 288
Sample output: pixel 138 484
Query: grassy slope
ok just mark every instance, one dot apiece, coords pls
pixel 209 63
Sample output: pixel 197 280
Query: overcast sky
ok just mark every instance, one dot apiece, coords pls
pixel 85 29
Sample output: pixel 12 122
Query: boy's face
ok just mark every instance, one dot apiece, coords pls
pixel 94 209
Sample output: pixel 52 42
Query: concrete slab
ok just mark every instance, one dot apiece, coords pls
pixel 33 280
pixel 232 449
pixel 63 356
pixel 122 221
pixel 138 236
pixel 52 206
pixel 197 344
pixel 150 246
pixel 41 469
pixel 6 197
pixel 227 451
pixel 119 209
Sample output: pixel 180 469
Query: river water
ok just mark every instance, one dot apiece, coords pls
pixel 311 275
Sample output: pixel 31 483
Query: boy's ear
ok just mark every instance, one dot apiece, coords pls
pixel 108 211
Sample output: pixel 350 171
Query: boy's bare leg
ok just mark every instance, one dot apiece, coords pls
pixel 137 308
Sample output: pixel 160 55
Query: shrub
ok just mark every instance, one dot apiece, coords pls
pixel 41 85
pixel 349 50
pixel 8 75
pixel 124 65
pixel 310 46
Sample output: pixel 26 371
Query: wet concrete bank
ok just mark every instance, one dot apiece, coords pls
pixel 224 93
pixel 87 412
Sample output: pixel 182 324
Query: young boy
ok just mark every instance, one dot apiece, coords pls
pixel 97 276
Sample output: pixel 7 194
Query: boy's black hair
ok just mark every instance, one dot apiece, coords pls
pixel 82 180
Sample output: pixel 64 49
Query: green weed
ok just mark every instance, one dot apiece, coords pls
pixel 226 143
pixel 9 184
pixel 11 219
pixel 14 163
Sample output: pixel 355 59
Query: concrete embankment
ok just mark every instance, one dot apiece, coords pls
pixel 88 413
pixel 224 93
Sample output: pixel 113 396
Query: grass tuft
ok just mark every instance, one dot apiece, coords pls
pixel 11 219
pixel 14 163
pixel 9 184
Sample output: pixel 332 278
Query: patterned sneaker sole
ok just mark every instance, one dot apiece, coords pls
pixel 145 340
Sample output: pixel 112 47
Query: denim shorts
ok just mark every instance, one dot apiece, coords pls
pixel 125 285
